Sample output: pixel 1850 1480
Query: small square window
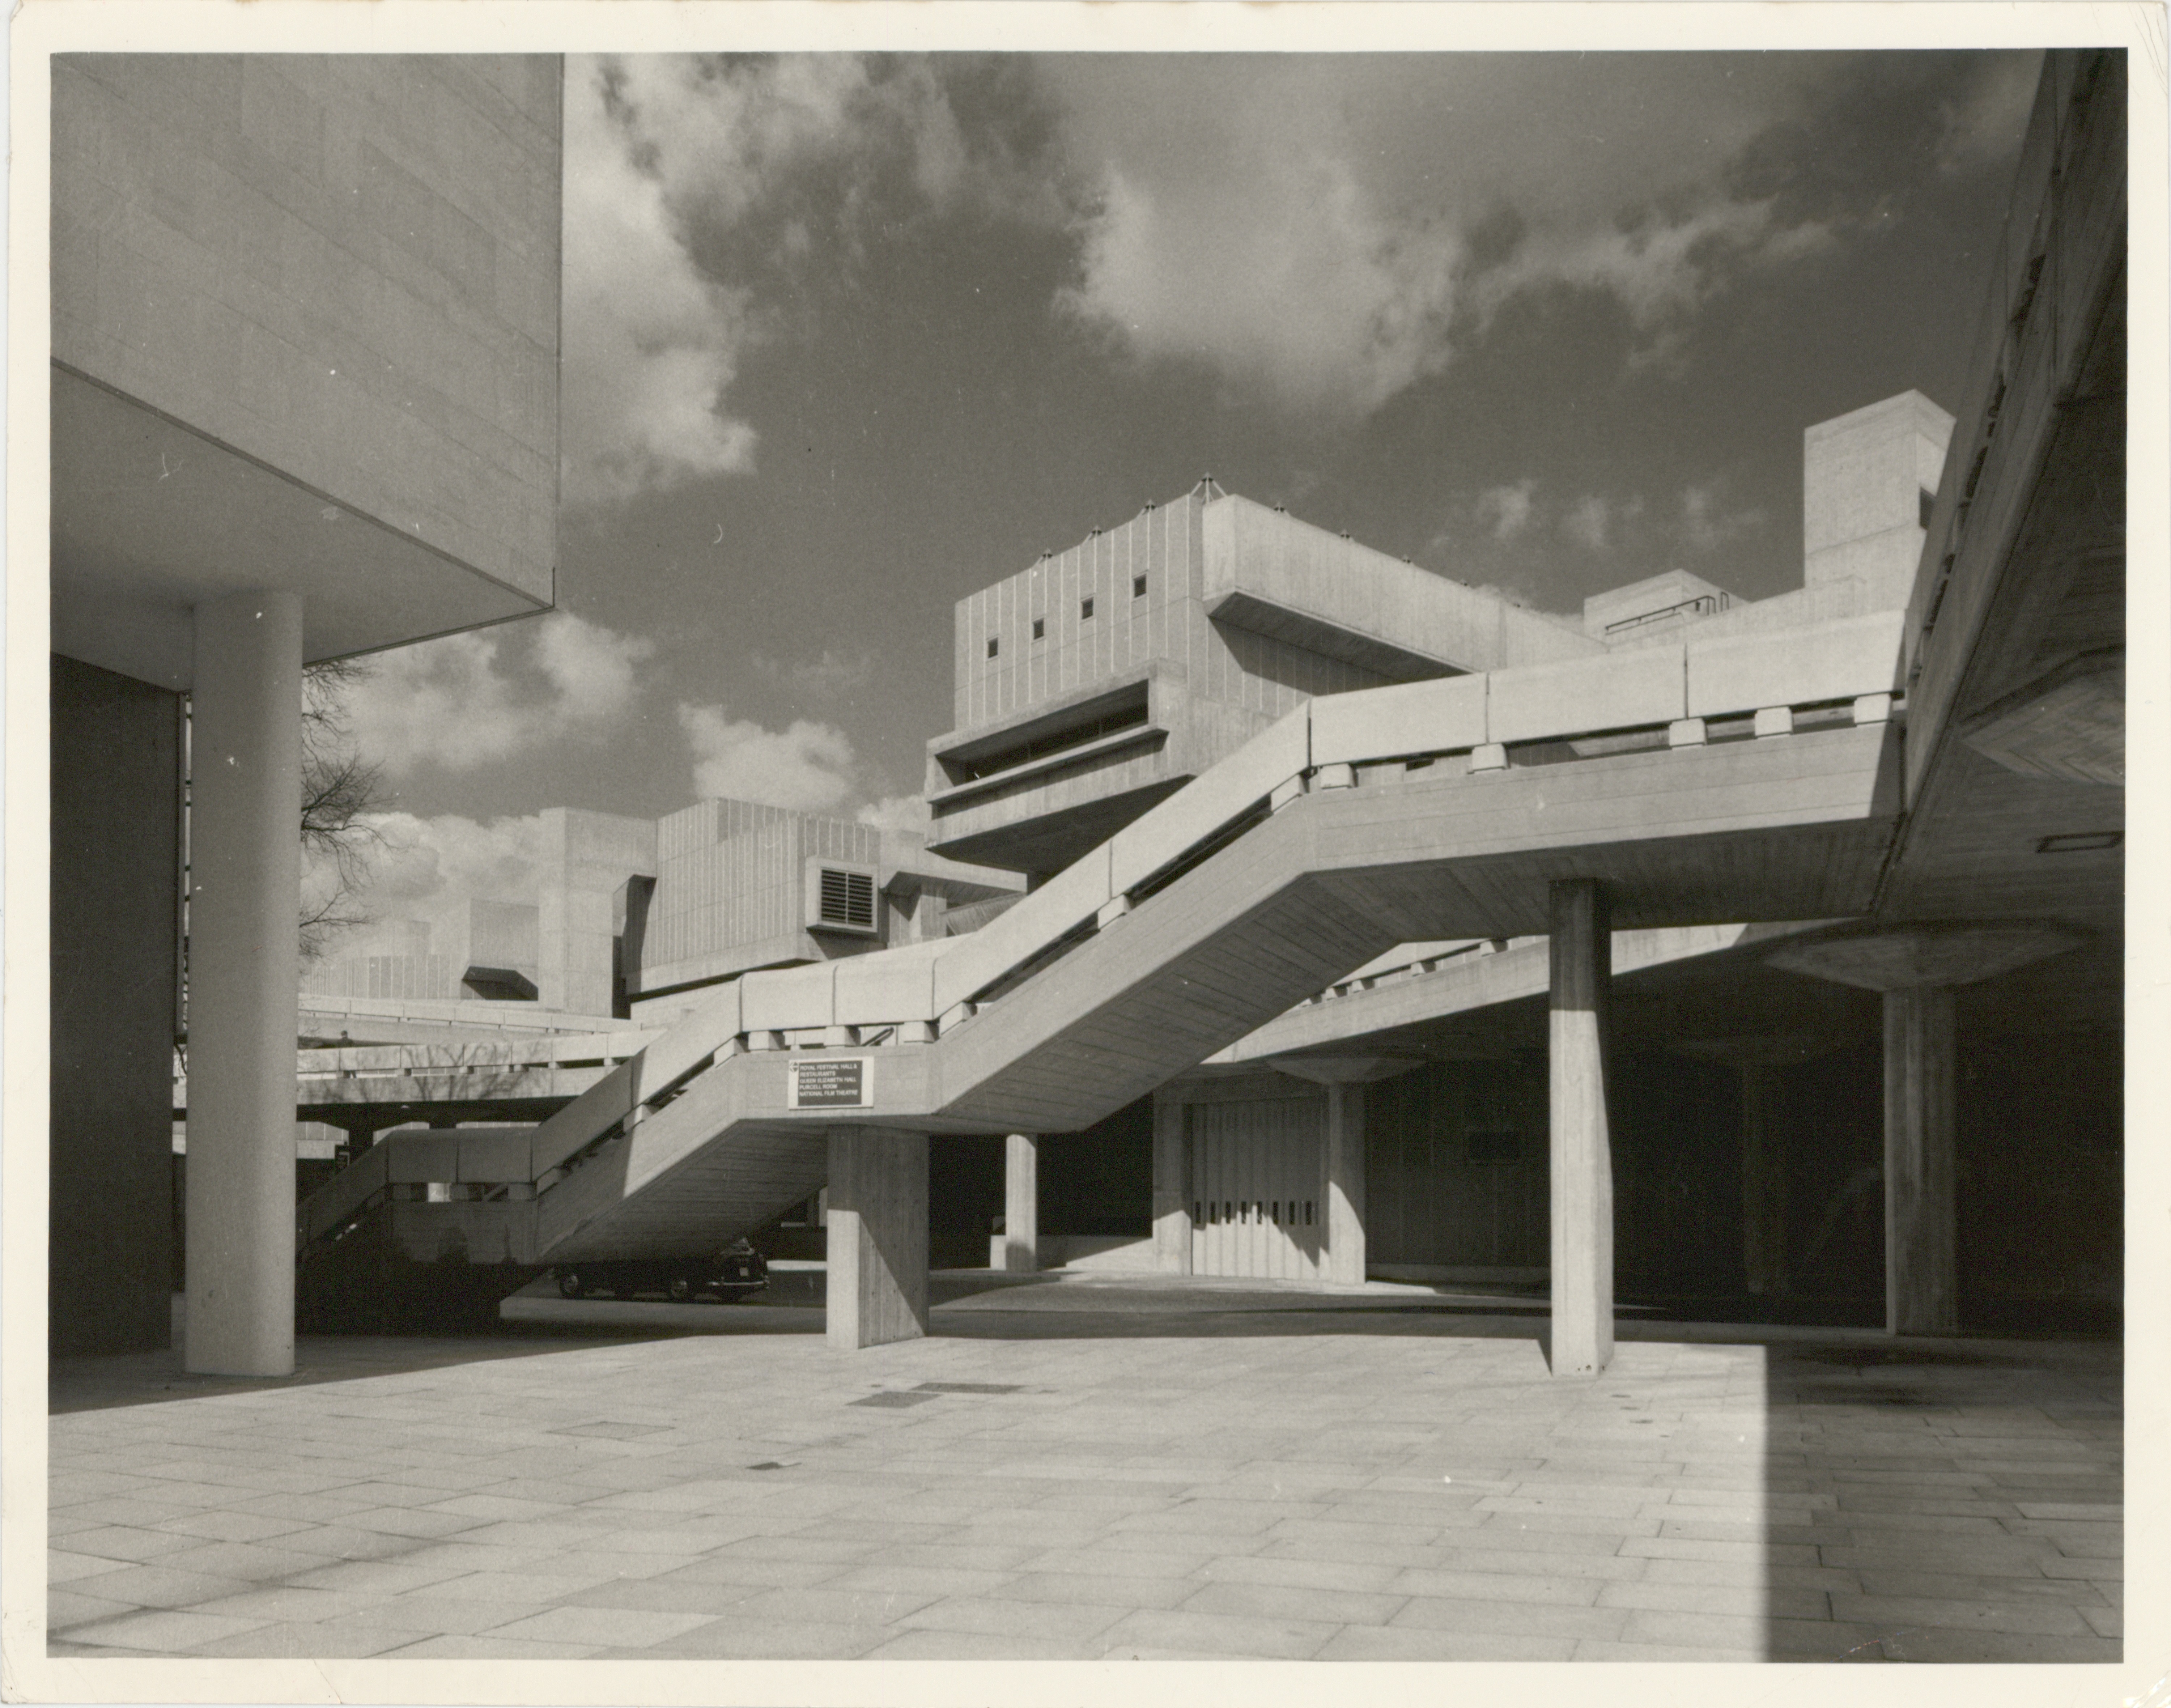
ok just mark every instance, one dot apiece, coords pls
pixel 1039 627
pixel 993 646
pixel 1137 586
pixel 1086 610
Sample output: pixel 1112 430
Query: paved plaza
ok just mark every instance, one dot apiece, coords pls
pixel 1088 1468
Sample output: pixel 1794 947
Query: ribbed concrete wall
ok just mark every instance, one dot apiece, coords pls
pixel 731 872
pixel 1166 545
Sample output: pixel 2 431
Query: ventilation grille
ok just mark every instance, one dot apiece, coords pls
pixel 847 900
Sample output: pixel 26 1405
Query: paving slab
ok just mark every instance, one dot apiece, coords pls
pixel 1403 1485
pixel 1217 1633
pixel 775 1640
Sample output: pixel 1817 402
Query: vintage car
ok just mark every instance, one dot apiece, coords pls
pixel 731 1273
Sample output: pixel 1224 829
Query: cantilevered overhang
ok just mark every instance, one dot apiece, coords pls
pixel 150 517
pixel 1121 706
pixel 2015 697
pixel 1270 573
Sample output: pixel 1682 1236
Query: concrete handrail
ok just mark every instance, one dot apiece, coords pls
pixel 452 1013
pixel 539 1050
pixel 342 1195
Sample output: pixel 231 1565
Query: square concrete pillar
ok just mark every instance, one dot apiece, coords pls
pixel 1171 1189
pixel 1921 1271
pixel 1763 1185
pixel 1344 1255
pixel 877 1236
pixel 1021 1203
pixel 243 982
pixel 1582 1156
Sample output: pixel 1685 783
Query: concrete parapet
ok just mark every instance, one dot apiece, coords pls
pixel 790 998
pixel 1417 717
pixel 1832 661
pixel 414 1157
pixel 1201 806
pixel 970 964
pixel 594 1112
pixel 715 1017
pixel 1619 691
pixel 494 1156
pixel 896 985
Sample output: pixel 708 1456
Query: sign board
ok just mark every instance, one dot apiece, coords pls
pixel 832 1082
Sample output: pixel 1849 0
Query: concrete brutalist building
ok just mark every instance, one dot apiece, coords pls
pixel 1747 1103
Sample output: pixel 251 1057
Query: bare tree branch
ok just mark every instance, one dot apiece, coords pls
pixel 339 792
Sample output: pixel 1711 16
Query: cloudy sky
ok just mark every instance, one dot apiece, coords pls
pixel 846 339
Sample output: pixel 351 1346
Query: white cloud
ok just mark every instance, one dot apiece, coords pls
pixel 460 702
pixel 807 766
pixel 1651 269
pixel 1598 523
pixel 1660 270
pixel 406 868
pixel 1302 288
pixel 422 864
pixel 724 135
pixel 1588 523
pixel 1318 231
pixel 1322 231
pixel 1506 511
pixel 1706 524
pixel 1244 235
pixel 671 163
pixel 899 812
pixel 649 344
pixel 591 668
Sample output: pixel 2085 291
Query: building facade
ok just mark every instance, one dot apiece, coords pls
pixel 304 405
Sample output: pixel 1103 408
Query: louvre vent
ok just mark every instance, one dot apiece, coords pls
pixel 847 899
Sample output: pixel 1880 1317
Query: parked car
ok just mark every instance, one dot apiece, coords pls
pixel 734 1272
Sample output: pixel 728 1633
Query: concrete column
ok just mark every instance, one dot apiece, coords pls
pixel 1763 1184
pixel 1915 968
pixel 877 1236
pixel 1345 1184
pixel 1921 1273
pixel 1171 1189
pixel 244 983
pixel 1021 1203
pixel 1582 1179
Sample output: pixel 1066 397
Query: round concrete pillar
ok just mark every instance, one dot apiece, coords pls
pixel 1581 1254
pixel 244 881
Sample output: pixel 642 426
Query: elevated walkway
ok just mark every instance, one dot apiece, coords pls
pixel 362 1021
pixel 1748 779
pixel 487 1075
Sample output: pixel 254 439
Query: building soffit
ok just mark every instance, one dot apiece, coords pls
pixel 150 517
